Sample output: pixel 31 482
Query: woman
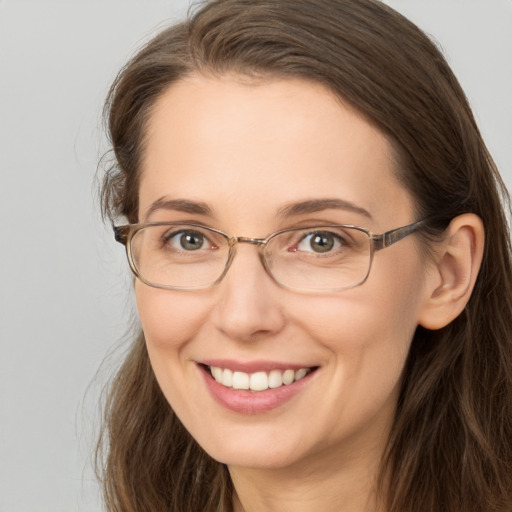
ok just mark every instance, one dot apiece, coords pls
pixel 323 270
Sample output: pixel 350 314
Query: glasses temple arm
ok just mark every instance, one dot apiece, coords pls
pixel 395 235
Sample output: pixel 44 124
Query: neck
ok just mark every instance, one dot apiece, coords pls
pixel 321 484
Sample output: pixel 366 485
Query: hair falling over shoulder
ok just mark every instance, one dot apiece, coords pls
pixel 450 448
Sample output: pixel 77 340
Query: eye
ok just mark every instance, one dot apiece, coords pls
pixel 320 242
pixel 189 240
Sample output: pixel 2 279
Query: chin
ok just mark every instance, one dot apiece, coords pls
pixel 258 448
pixel 256 458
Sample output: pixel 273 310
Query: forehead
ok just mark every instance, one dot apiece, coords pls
pixel 245 147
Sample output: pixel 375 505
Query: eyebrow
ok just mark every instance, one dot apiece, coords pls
pixel 317 205
pixel 179 205
pixel 289 210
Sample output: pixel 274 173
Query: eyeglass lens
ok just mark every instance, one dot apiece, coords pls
pixel 193 257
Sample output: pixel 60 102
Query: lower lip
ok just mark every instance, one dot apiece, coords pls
pixel 253 402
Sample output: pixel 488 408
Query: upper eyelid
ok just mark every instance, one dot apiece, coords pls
pixel 322 230
pixel 186 228
pixel 344 238
pixel 211 235
pixel 178 225
pixel 200 225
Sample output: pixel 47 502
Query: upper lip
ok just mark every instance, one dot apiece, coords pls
pixel 253 366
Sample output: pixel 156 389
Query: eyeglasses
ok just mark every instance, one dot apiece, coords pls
pixel 326 258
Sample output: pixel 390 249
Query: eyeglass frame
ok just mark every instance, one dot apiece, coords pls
pixel 124 234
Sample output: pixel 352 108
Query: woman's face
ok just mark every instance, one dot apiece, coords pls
pixel 242 153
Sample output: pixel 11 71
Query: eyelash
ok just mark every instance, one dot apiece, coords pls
pixel 167 237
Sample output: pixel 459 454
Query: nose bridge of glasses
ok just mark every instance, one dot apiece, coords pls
pixel 246 240
pixel 233 241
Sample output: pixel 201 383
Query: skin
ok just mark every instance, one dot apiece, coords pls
pixel 247 149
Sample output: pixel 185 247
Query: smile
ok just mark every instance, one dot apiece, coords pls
pixel 255 387
pixel 258 381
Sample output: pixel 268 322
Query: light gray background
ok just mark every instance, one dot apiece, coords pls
pixel 64 286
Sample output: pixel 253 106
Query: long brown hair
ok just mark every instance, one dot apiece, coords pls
pixel 451 444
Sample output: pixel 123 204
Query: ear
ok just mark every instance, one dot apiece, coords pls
pixel 451 279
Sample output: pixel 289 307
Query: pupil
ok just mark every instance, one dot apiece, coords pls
pixel 322 243
pixel 191 242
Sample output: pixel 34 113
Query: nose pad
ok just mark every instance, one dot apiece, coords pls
pixel 234 244
pixel 248 303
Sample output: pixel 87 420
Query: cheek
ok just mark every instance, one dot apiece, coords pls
pixel 385 306
pixel 368 343
pixel 368 330
pixel 168 318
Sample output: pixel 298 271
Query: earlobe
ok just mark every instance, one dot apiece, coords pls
pixel 451 281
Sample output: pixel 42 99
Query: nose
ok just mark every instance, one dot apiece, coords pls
pixel 249 305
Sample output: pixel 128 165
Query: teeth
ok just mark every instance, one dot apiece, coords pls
pixel 217 373
pixel 240 380
pixel 299 374
pixel 227 377
pixel 288 377
pixel 275 379
pixel 259 381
